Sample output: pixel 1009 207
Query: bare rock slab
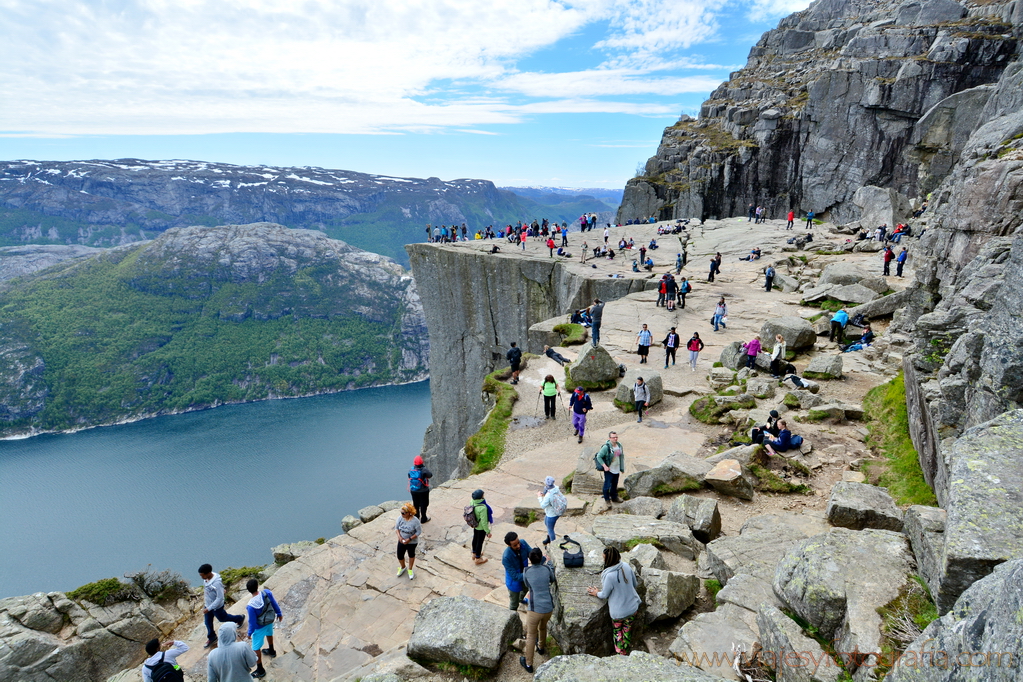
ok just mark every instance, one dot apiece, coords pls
pixel 463 630
pixel 860 505
pixel 644 556
pixel 730 477
pixel 706 641
pixel 925 528
pixel 618 529
pixel 292 550
pixel 666 594
pixel 760 545
pixel 643 506
pixel 699 513
pixel 581 623
pixel 677 473
pixel 791 654
pixel 638 665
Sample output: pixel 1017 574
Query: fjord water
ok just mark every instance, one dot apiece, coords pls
pixel 221 486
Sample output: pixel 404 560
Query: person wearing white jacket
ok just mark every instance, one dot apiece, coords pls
pixel 641 396
pixel 551 514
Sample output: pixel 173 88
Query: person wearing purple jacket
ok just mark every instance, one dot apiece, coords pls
pixel 752 350
pixel 261 623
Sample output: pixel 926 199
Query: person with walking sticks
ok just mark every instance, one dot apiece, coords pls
pixel 549 390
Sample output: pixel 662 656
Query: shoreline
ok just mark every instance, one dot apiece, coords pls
pixel 170 413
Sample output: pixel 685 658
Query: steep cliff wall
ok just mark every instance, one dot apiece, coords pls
pixel 476 304
pixel 839 96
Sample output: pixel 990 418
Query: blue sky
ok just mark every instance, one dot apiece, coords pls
pixel 569 93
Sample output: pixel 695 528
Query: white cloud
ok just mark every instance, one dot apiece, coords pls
pixel 336 66
pixel 772 9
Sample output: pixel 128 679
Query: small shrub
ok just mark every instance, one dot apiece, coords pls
pixel 320 541
pixel 713 587
pixel 768 481
pixel 230 576
pixel 719 364
pixel 816 416
pixel 525 520
pixel 672 488
pixel 104 592
pixel 566 483
pixel 486 447
pixel 903 620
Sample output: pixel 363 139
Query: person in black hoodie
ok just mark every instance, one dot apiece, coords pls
pixel 419 487
pixel 670 343
pixel 514 356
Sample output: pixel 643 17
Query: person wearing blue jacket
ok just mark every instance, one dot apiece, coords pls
pixel 515 559
pixel 783 442
pixel 838 322
pixel 258 605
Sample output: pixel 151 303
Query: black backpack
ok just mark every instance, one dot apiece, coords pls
pixel 165 671
pixel 572 559
pixel 266 615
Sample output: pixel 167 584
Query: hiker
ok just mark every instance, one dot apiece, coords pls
pixel 717 263
pixel 551 246
pixel 777 355
pixel 537 578
pixel 618 587
pixel 160 662
pixel 900 261
pixel 480 511
pixel 783 442
pixel 419 486
pixel 888 257
pixel 792 218
pixel 838 322
pixel 263 611
pixel 581 404
pixel 596 314
pixel 751 211
pixel 213 598
pixel 670 291
pixel 684 287
pixel 611 459
pixel 408 528
pixel 678 264
pixel 713 268
pixel 232 660
pixel 643 340
pixel 555 356
pixel 759 433
pixel 549 390
pixel 515 559
pixel 752 348
pixel 661 290
pixel 641 396
pixel 670 343
pixel 694 346
pixel 720 315
pixel 809 219
pixel 554 503
pixel 768 278
pixel 514 356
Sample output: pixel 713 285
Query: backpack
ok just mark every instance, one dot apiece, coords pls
pixel 572 559
pixel 559 503
pixel 796 441
pixel 469 514
pixel 267 614
pixel 165 671
pixel 415 480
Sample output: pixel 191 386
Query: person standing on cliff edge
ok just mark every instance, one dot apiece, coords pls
pixel 213 595
pixel 596 315
pixel 514 356
pixel 419 487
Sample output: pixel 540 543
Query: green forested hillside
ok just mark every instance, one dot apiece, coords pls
pixel 199 317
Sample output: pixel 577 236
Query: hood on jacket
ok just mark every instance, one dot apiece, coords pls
pixel 228 634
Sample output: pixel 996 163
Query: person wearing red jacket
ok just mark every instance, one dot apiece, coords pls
pixel 694 346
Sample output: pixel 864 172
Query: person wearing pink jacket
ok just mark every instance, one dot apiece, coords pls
pixel 752 349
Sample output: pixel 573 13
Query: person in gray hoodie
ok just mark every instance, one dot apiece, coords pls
pixel 618 584
pixel 537 578
pixel 641 394
pixel 213 596
pixel 232 660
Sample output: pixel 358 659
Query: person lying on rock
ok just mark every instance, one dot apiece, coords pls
pixel 555 356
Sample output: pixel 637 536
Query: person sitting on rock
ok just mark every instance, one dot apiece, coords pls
pixel 652 245
pixel 759 433
pixel 635 266
pixel 649 264
pixel 783 442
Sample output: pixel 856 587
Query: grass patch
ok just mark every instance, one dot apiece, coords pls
pixel 104 592
pixel 740 436
pixel 635 542
pixel 566 483
pixel 825 252
pixel 816 416
pixel 718 364
pixel 888 421
pixel 708 412
pixel 672 488
pixel 486 447
pixel 230 576
pixel 903 620
pixel 471 672
pixel 829 304
pixel 625 406
pixel 790 401
pixel 713 586
pixel 814 633
pixel 818 375
pixel 525 520
pixel 553 648
pixel 768 481
pixel 320 541
pixel 571 334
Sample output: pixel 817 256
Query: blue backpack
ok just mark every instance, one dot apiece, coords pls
pixel 415 480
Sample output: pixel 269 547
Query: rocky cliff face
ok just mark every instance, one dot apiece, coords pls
pixel 842 95
pixel 104 203
pixel 199 317
pixel 476 304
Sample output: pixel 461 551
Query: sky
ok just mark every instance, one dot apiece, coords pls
pixel 563 93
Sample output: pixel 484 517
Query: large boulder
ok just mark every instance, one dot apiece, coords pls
pixel 845 274
pixel 880 307
pixel 580 623
pixel 856 294
pixel 638 665
pixel 593 369
pixel 983 497
pixel 983 628
pixel 761 387
pixel 677 473
pixel 624 398
pixel 838 580
pixel 643 506
pixel 576 506
pixel 617 530
pixel 791 654
pixel 881 206
pixel 732 356
pixel 859 505
pixel 699 513
pixel 707 640
pixel 666 594
pixel 463 630
pixel 824 366
pixel 367 514
pixel 644 556
pixel 797 332
pixel 786 284
pixel 587 480
pixel 292 550
pixel 742 453
pixel 349 522
pixel 730 477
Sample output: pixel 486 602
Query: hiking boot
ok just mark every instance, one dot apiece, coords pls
pixel 210 643
pixel 580 439
pixel 425 521
pixel 575 432
pixel 270 652
pixel 258 674
pixel 411 574
pixel 401 569
pixel 540 650
pixel 522 662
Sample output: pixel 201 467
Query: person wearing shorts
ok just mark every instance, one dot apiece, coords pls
pixel 514 356
pixel 408 529
pixel 258 605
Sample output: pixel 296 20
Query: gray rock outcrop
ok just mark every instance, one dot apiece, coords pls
pixel 825 366
pixel 843 274
pixel 624 395
pixel 593 369
pixel 730 477
pixel 638 665
pixel 666 594
pixel 858 506
pixel 463 630
pixel 797 332
pixel 881 206
pixel 699 513
pixel 789 652
pixel 643 506
pixel 618 529
pixel 580 623
pixel 676 473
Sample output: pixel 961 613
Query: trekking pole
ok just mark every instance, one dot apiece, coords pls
pixel 536 410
